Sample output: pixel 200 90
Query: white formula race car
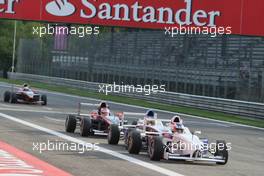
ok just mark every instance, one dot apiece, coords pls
pixel 173 142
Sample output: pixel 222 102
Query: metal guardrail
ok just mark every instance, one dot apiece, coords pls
pixel 243 108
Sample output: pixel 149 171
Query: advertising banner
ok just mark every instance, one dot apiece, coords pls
pixel 242 16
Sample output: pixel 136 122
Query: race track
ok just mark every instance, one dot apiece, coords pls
pixel 22 125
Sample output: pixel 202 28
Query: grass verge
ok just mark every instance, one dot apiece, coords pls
pixel 147 104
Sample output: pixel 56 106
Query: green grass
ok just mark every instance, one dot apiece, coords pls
pixel 147 104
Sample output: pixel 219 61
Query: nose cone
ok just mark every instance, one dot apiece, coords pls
pixel 30 94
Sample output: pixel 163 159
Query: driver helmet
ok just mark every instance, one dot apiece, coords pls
pixel 178 128
pixel 25 85
pixel 105 112
pixel 176 119
pixel 103 105
pixel 150 114
pixel 176 124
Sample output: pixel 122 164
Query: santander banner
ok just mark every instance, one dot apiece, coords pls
pixel 243 16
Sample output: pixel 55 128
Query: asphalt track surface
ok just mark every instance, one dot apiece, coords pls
pixel 22 125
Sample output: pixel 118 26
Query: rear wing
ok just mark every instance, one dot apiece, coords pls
pixel 81 105
pixel 120 115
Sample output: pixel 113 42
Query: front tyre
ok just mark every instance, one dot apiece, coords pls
pixel 134 142
pixel 85 126
pixel 70 124
pixel 13 98
pixel 134 122
pixel 44 100
pixel 222 152
pixel 155 148
pixel 7 96
pixel 113 134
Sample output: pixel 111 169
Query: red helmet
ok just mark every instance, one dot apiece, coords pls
pixel 105 112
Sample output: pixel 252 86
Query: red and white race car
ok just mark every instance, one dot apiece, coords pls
pixel 173 141
pixel 25 95
pixel 99 122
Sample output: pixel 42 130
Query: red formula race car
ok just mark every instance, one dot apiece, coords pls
pixel 25 95
pixel 101 122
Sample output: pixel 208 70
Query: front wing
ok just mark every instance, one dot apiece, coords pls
pixel 218 159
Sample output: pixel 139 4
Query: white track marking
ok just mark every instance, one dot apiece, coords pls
pixel 134 114
pixel 139 107
pixel 261 138
pixel 194 122
pixel 5 105
pixel 59 112
pixel 104 150
pixel 48 108
pixel 53 119
pixel 90 104
pixel 211 123
pixel 31 110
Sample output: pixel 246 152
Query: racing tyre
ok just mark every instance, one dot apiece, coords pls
pixel 113 134
pixel 44 100
pixel 155 148
pixel 127 132
pixel 85 126
pixel 221 151
pixel 134 142
pixel 7 96
pixel 70 124
pixel 13 98
pixel 134 122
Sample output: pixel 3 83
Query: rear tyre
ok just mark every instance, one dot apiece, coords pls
pixel 113 134
pixel 85 127
pixel 134 142
pixel 7 96
pixel 44 100
pixel 134 122
pixel 155 148
pixel 70 124
pixel 221 151
pixel 13 98
pixel 127 132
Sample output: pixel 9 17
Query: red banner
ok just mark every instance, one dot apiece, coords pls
pixel 243 16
